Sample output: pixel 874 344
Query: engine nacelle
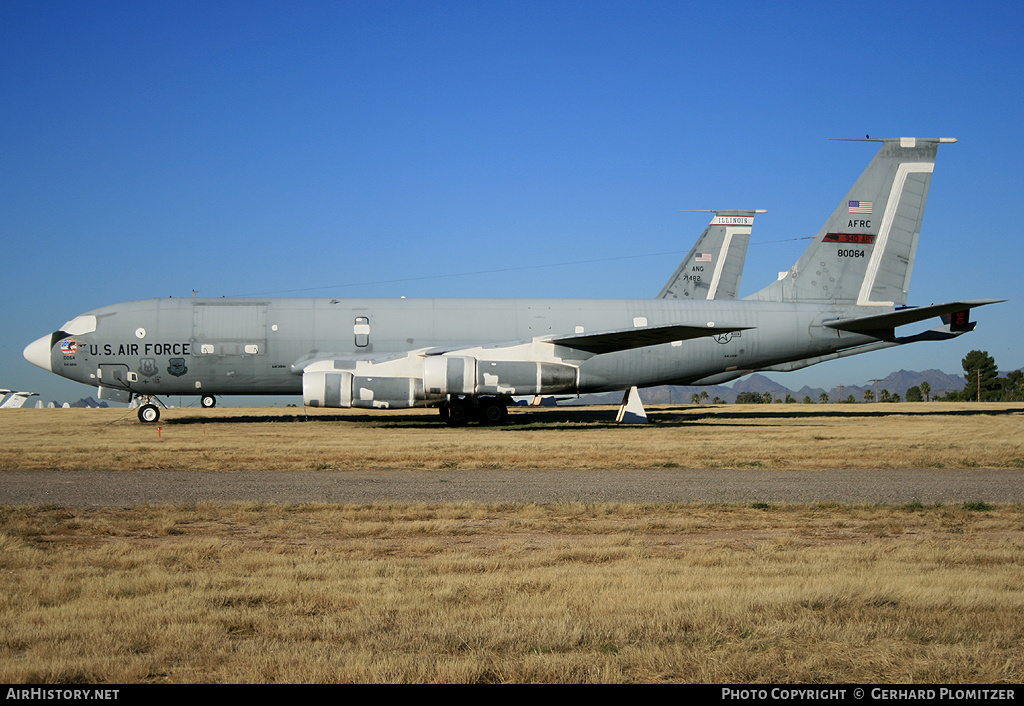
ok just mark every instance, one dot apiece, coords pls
pixel 324 388
pixel 449 375
pixel 501 377
pixel 464 375
pixel 387 392
pixel 321 388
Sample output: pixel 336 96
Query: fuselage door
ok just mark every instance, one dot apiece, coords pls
pixel 113 376
pixel 361 330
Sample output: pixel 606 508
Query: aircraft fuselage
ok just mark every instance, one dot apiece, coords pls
pixel 261 346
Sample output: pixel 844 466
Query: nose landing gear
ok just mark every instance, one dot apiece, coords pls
pixel 148 411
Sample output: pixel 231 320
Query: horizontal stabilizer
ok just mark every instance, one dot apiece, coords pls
pixel 626 339
pixel 908 315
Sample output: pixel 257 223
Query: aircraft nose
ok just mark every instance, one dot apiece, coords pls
pixel 38 353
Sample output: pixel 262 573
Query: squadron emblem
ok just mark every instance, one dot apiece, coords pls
pixel 147 367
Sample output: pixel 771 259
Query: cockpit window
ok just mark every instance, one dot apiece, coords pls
pixel 80 325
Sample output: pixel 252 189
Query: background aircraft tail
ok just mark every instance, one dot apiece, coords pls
pixel 865 252
pixel 713 268
pixel 17 399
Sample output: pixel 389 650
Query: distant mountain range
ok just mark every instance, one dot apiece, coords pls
pixel 895 383
pixel 84 403
pixel 90 403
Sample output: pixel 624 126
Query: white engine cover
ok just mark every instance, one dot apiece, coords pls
pixel 449 375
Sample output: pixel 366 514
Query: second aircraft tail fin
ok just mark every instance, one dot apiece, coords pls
pixel 713 268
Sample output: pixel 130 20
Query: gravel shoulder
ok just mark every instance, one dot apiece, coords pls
pixel 185 487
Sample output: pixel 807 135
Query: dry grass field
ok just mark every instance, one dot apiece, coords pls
pixel 473 592
pixel 469 593
pixel 907 435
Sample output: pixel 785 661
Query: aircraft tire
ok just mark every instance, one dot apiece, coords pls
pixel 149 413
pixel 493 412
pixel 459 413
pixel 208 401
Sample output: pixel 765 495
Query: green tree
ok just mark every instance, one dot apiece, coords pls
pixel 980 370
pixel 1013 385
pixel 869 396
pixel 914 394
pixel 926 390
pixel 823 397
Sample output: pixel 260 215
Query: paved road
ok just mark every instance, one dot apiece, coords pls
pixel 129 488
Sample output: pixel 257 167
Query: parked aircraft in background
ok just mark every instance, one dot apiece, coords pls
pixel 846 295
pixel 16 399
pixel 713 268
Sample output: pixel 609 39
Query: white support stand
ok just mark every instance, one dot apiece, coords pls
pixel 631 411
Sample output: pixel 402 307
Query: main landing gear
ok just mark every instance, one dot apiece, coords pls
pixel 460 411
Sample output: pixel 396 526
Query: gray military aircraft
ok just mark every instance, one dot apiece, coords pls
pixel 846 295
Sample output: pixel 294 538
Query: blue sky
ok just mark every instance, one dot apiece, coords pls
pixel 487 148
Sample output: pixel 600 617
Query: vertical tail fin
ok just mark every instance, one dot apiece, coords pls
pixel 865 252
pixel 713 268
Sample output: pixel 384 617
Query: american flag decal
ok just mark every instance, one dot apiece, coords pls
pixel 860 207
pixel 703 257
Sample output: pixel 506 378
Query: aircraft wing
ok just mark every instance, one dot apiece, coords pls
pixel 625 339
pixel 909 315
pixel 609 341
